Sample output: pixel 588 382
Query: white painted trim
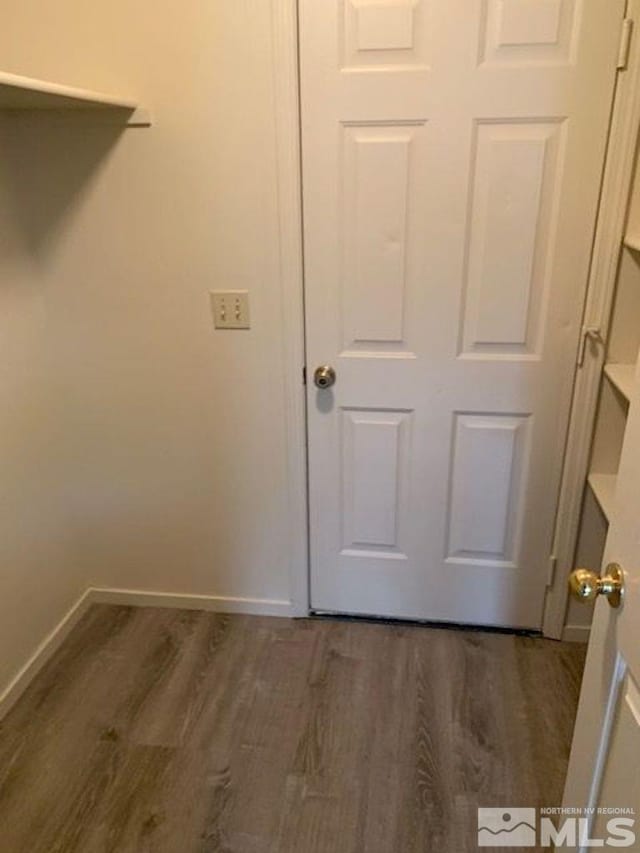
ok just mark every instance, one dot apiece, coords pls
pixel 43 653
pixel 289 188
pixel 132 598
pixel 576 633
pixel 602 279
pixel 184 601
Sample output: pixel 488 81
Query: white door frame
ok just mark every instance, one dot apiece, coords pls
pixel 625 122
pixel 289 189
pixel 599 300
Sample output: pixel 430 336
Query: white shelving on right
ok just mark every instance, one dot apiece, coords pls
pixel 618 378
pixel 619 374
pixel 610 425
pixel 622 377
pixel 603 487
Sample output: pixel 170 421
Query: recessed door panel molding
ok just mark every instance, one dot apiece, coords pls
pixel 522 32
pixel 375 448
pixel 384 26
pixel 516 176
pixel 488 471
pixel 384 33
pixel 378 180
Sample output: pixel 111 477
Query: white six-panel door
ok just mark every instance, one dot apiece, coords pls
pixel 452 156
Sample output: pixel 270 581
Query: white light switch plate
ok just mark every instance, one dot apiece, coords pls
pixel 230 309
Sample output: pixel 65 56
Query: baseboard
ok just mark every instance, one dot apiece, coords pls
pixel 576 633
pixel 135 598
pixel 215 603
pixel 43 653
pixel 141 598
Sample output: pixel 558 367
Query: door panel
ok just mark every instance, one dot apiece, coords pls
pixel 377 181
pixel 452 154
pixel 394 33
pixel 489 458
pixel 511 229
pixel 526 31
pixel 374 496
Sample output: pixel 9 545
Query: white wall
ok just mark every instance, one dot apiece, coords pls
pixel 38 582
pixel 169 469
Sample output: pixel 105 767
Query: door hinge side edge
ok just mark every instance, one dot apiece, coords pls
pixel 304 374
pixel 625 43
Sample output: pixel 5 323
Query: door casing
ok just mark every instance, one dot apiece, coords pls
pixel 618 168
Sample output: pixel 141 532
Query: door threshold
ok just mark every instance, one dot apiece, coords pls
pixel 422 623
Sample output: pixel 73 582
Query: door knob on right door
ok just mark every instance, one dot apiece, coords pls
pixel 587 585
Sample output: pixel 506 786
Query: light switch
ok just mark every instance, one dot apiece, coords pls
pixel 230 309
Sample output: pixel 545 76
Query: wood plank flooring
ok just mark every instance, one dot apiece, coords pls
pixel 179 731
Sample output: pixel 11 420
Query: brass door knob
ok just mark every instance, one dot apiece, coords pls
pixel 324 376
pixel 587 585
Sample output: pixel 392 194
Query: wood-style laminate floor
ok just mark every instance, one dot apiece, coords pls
pixel 179 731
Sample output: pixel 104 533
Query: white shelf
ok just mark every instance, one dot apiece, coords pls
pixel 27 93
pixel 622 377
pixel 603 487
pixel 632 241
